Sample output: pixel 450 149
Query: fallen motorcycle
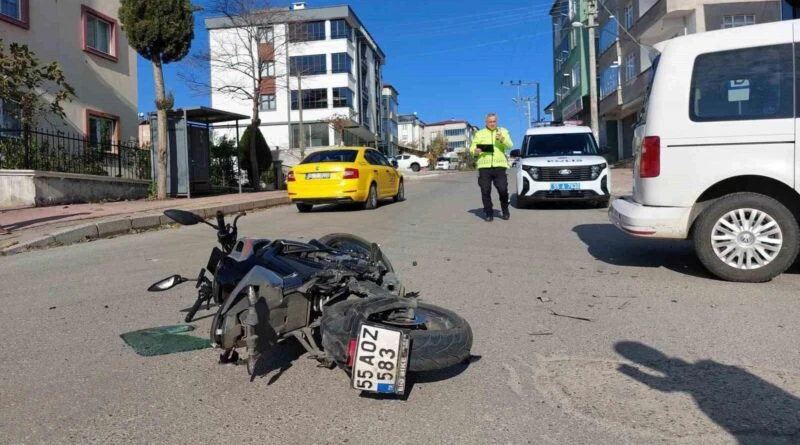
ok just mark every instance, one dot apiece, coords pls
pixel 338 296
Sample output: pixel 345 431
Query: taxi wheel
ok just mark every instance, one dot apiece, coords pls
pixel 304 208
pixel 401 193
pixel 372 198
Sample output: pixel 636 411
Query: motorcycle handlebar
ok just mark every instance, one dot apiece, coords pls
pixel 220 221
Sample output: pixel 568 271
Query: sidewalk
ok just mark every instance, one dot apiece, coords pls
pixel 38 227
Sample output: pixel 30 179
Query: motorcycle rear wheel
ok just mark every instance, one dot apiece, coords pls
pixel 444 340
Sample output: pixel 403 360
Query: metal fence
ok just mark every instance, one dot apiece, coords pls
pixel 60 152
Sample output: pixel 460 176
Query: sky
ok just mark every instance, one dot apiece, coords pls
pixel 446 58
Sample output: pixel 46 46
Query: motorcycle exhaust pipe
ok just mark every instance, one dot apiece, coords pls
pixel 251 322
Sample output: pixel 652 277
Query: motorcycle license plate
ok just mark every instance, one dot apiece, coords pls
pixel 381 360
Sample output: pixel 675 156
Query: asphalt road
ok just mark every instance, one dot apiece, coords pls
pixel 670 355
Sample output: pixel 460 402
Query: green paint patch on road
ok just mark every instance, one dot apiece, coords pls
pixel 164 340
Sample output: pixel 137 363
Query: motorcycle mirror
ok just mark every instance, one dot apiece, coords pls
pixel 166 283
pixel 185 218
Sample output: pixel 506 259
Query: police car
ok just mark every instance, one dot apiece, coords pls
pixel 561 162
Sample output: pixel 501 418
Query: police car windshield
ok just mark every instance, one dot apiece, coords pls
pixel 564 144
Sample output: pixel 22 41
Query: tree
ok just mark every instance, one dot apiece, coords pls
pixel 246 57
pixel 438 147
pixel 223 151
pixel 340 122
pixel 263 153
pixel 26 81
pixel 161 31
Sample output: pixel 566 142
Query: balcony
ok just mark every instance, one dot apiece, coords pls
pixel 633 92
pixel 663 21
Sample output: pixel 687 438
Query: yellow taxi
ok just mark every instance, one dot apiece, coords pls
pixel 344 175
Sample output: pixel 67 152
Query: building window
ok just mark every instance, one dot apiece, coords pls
pixel 304 32
pixel 101 129
pixel 307 65
pixel 342 97
pixel 341 63
pixel 312 99
pixel 733 21
pixel 99 34
pixel 455 144
pixel 630 67
pixel 629 16
pixel 744 84
pixel 609 81
pixel 575 76
pixel 266 34
pixel 10 119
pixel 454 132
pixel 608 35
pixel 314 134
pixel 340 29
pixel 267 102
pixel 268 70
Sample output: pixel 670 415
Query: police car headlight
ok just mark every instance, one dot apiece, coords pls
pixel 533 171
pixel 596 169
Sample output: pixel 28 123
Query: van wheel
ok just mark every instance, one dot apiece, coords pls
pixel 746 237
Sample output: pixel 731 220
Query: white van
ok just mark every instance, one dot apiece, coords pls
pixel 715 150
pixel 560 162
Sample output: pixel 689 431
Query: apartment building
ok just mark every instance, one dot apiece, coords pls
pixel 628 28
pixel 411 130
pixel 570 63
pixel 458 133
pixel 329 54
pixel 86 39
pixel 389 139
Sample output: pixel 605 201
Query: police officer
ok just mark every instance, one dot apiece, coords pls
pixel 492 164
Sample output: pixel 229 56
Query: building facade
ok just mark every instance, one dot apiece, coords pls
pixel 86 39
pixel 458 133
pixel 411 130
pixel 625 56
pixel 570 62
pixel 389 139
pixel 325 52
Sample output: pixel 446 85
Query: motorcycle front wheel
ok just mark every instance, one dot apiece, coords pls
pixel 355 244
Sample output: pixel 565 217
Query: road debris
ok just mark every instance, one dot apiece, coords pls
pixel 540 333
pixel 622 306
pixel 489 270
pixel 570 316
pixel 545 299
pixel 613 296
pixel 414 263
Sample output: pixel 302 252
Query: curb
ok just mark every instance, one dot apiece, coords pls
pixel 121 226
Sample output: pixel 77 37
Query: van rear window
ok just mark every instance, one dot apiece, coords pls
pixel 743 84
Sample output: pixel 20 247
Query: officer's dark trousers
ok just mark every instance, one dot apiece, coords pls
pixel 485 178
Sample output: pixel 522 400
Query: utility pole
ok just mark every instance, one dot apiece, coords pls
pixel 300 107
pixel 527 100
pixel 592 14
pixel 518 99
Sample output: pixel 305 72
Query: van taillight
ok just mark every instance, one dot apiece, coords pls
pixel 351 173
pixel 650 165
pixel 290 176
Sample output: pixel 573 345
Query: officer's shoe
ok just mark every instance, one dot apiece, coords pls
pixel 489 216
pixel 506 215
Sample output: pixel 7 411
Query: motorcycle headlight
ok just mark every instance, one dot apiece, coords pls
pixel 596 169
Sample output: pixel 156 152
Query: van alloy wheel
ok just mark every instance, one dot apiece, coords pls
pixel 747 238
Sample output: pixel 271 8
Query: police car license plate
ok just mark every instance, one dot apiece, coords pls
pixel 381 360
pixel 565 186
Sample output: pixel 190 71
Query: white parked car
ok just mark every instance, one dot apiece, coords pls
pixel 715 151
pixel 561 163
pixel 411 162
pixel 445 163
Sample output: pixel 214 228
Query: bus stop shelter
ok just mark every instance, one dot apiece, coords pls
pixel 189 147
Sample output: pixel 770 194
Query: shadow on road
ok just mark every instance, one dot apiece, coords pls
pixel 416 378
pixel 22 224
pixel 751 409
pixel 610 245
pixel 278 357
pixel 552 205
